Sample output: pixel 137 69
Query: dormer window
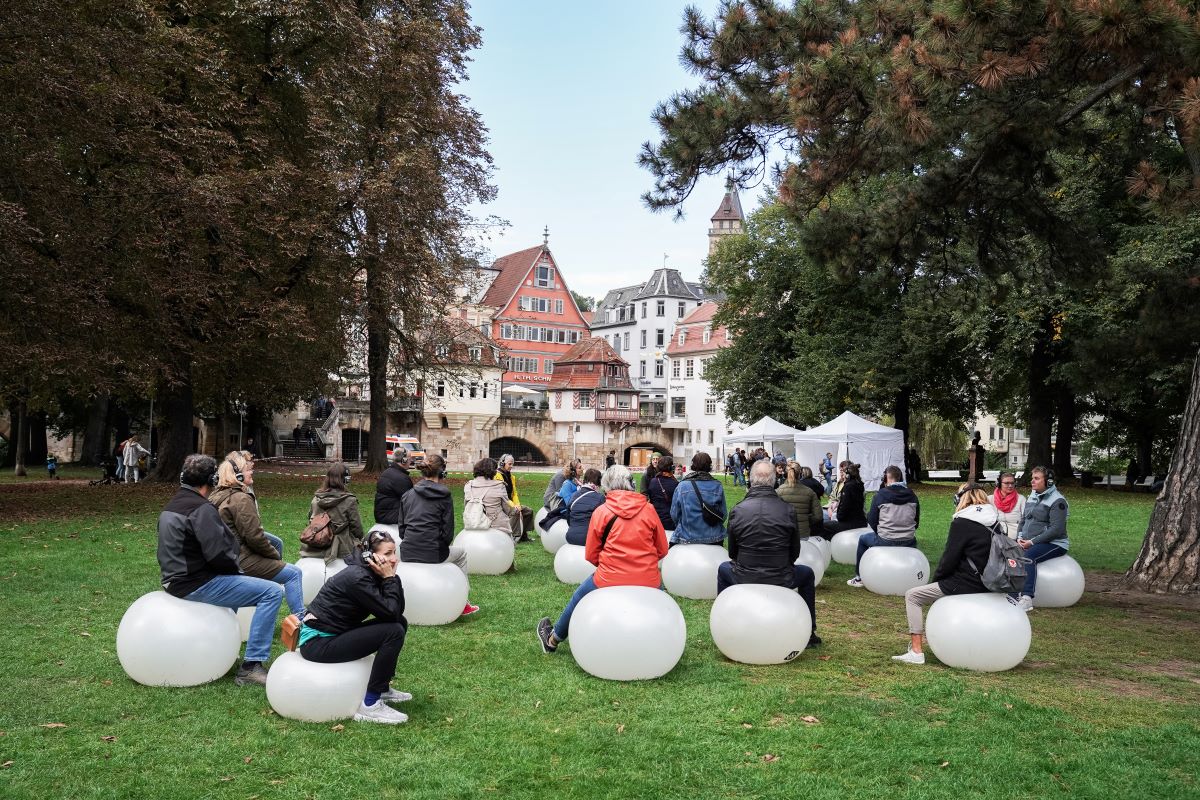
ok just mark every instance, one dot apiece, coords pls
pixel 442 351
pixel 707 333
pixel 476 353
pixel 682 337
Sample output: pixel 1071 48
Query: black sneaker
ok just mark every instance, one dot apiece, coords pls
pixel 814 641
pixel 254 674
pixel 545 632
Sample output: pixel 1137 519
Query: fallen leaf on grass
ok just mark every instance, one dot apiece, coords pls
pixel 278 782
pixel 824 658
pixel 1008 706
pixel 621 728
pixel 53 725
pixel 747 725
pixel 538 704
pixel 109 738
pixel 6 765
pixel 809 719
pixel 768 758
pixel 226 778
pixel 106 683
pixel 84 633
pixel 943 765
pixel 336 729
pixel 247 760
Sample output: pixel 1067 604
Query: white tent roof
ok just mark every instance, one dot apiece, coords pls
pixel 850 427
pixel 851 437
pixel 765 430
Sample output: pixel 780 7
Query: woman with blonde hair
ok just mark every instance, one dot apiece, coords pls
pixel 261 554
pixel 967 549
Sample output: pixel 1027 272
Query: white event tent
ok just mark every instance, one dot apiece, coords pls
pixel 767 432
pixel 850 437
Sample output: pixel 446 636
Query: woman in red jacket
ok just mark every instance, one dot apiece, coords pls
pixel 625 541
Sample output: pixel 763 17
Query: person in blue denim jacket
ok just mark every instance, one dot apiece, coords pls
pixel 697 491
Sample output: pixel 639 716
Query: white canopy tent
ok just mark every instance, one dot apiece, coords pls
pixel 770 433
pixel 850 437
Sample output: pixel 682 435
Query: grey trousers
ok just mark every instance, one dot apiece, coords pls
pixel 457 557
pixel 915 600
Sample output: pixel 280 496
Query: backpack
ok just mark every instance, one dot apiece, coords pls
pixel 1005 570
pixel 474 517
pixel 319 533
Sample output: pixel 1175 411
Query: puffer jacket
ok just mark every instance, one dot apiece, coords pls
pixel 258 558
pixel 635 544
pixel 806 504
pixel 342 508
pixel 1045 518
pixel 352 595
pixel 579 513
pixel 968 547
pixel 495 500
pixel 764 540
pixel 426 523
pixel 394 482
pixel 690 525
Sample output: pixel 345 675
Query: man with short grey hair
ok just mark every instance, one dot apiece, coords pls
pixel 764 543
pixel 198 557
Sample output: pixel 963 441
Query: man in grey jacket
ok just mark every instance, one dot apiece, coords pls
pixel 894 517
pixel 198 557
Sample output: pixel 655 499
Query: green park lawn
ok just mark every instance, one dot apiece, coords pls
pixel 1105 704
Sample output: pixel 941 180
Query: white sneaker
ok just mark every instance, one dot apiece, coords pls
pixel 379 713
pixel 1025 603
pixel 910 658
pixel 395 696
pixel 856 582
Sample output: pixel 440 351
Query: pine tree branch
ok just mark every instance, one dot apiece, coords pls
pixel 1100 91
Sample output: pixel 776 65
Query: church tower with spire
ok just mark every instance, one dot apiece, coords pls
pixel 728 218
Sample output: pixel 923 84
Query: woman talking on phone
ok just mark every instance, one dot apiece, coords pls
pixel 336 628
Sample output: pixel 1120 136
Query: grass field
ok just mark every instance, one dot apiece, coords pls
pixel 1105 705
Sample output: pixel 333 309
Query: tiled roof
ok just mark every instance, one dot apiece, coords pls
pixel 666 282
pixel 614 299
pixel 512 270
pixel 730 208
pixel 591 349
pixel 570 371
pixel 693 326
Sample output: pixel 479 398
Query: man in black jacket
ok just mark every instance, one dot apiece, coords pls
pixel 198 557
pixel 764 543
pixel 394 482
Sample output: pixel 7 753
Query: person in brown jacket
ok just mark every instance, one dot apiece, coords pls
pixel 803 500
pixel 259 557
pixel 342 508
pixel 492 494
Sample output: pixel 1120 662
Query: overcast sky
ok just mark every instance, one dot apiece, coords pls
pixel 566 90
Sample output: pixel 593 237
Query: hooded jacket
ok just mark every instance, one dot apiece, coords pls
pixel 661 491
pixel 690 525
pixel 495 500
pixel 968 547
pixel 895 512
pixel 579 513
pixel 342 508
pixel 426 523
pixel 258 558
pixel 194 545
pixel 635 544
pixel 394 482
pixel 352 595
pixel 850 505
pixel 1045 518
pixel 764 540
pixel 805 503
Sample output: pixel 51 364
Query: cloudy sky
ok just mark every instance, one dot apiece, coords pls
pixel 566 90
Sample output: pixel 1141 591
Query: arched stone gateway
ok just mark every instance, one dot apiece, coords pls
pixel 638 454
pixel 522 450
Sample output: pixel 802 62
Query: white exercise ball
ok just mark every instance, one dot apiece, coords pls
pixel 488 552
pixel 434 594
pixel 983 632
pixel 812 557
pixel 334 567
pixel 627 633
pixel 392 531
pixel 1059 583
pixel 313 692
pixel 844 546
pixel 165 641
pixel 759 624
pixel 245 615
pixel 570 566
pixel 690 570
pixel 826 548
pixel 539 516
pixel 312 577
pixel 893 570
pixel 556 537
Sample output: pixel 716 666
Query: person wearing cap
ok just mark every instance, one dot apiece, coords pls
pixel 198 559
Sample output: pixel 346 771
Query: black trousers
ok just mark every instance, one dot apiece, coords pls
pixel 384 639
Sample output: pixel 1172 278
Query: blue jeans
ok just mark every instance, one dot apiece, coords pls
pixel 276 542
pixel 564 619
pixel 235 591
pixel 869 540
pixel 803 576
pixel 738 479
pixel 292 581
pixel 829 483
pixel 1038 552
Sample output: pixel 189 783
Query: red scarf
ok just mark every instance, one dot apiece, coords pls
pixel 1004 504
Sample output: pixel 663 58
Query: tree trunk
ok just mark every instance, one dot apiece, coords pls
pixel 1145 452
pixel 178 410
pixel 1064 434
pixel 379 347
pixel 902 411
pixel 10 452
pixel 1041 401
pixel 1170 556
pixel 38 445
pixel 95 442
pixel 20 440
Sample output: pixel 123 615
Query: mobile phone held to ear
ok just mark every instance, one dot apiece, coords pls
pixel 368 558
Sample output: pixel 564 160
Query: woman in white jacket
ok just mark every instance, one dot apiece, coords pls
pixel 133 451
pixel 1009 503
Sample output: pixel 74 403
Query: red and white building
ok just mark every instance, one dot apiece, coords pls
pixel 591 399
pixel 536 319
